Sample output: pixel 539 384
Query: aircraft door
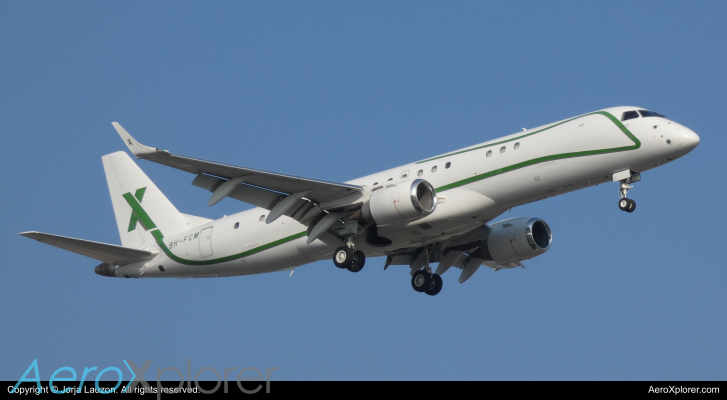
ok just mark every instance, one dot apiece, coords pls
pixel 205 242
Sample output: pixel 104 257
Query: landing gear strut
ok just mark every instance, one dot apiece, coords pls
pixel 626 204
pixel 349 258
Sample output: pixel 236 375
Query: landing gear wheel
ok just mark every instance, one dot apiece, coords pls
pixel 624 204
pixel 632 206
pixel 343 257
pixel 421 281
pixel 359 259
pixel 436 285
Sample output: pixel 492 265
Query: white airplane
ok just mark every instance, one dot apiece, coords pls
pixel 437 210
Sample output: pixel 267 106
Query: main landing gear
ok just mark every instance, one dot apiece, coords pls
pixel 424 280
pixel 626 204
pixel 427 282
pixel 349 258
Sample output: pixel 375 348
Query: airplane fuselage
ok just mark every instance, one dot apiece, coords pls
pixel 473 186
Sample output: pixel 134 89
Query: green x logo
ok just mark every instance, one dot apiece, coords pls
pixel 137 213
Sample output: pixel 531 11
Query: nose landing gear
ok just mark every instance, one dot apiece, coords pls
pixel 626 204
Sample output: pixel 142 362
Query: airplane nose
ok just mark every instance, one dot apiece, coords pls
pixel 689 139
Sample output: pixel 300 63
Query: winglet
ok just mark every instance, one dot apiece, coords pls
pixel 134 146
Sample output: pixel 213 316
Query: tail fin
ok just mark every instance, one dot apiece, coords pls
pixel 140 207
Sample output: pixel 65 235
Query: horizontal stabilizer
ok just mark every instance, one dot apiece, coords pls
pixel 108 253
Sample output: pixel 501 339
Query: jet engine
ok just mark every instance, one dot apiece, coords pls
pixel 515 239
pixel 400 203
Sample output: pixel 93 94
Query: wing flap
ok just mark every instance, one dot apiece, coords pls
pixel 108 253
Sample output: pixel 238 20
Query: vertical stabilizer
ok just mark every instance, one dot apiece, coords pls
pixel 140 207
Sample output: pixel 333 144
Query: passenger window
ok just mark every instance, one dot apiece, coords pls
pixel 404 174
pixel 262 218
pixel 420 173
pixel 629 115
pixel 434 168
pixel 489 153
pixel 517 146
pixel 447 165
pixel 376 183
pixel 237 225
pixel 502 149
pixel 391 179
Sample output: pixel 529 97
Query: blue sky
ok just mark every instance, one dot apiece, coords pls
pixel 338 90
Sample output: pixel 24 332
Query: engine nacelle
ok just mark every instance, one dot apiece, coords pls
pixel 516 239
pixel 401 203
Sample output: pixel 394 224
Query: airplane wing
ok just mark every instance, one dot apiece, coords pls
pixel 108 253
pixel 258 187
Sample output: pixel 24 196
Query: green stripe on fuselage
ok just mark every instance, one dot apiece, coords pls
pixel 138 214
pixel 538 160
pixel 160 241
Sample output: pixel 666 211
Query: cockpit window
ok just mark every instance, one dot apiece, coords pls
pixel 647 113
pixel 629 115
